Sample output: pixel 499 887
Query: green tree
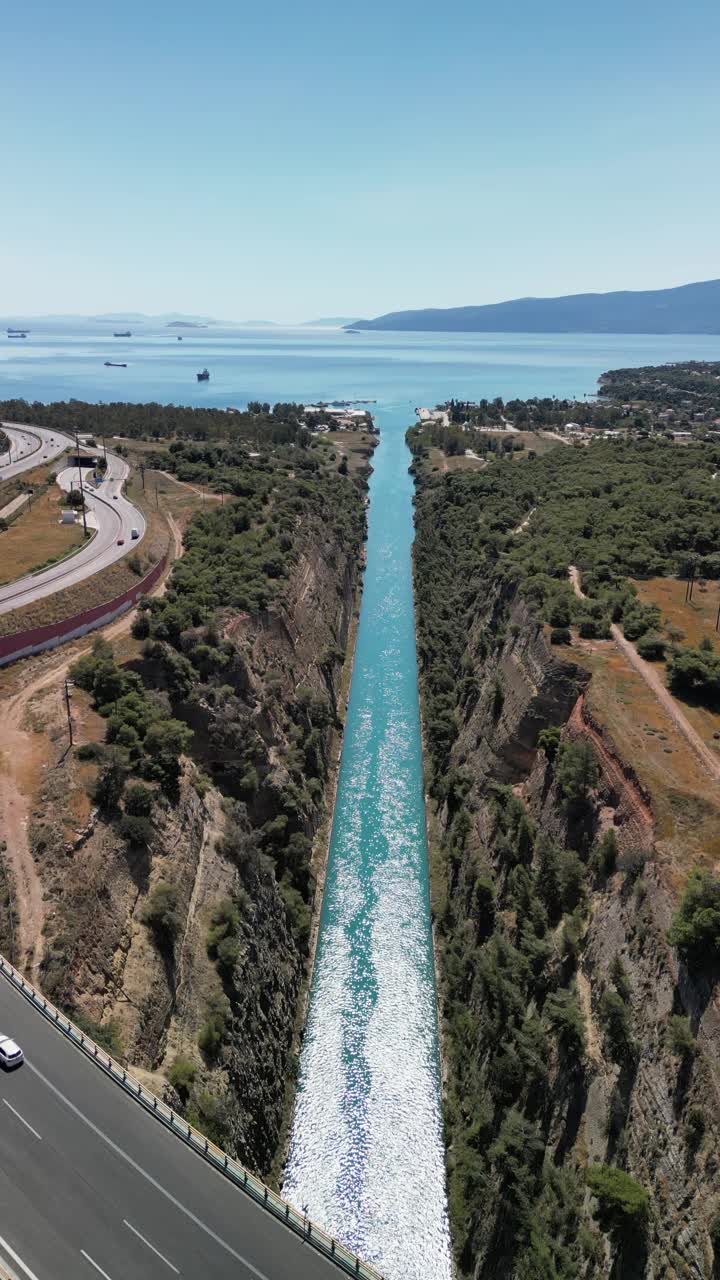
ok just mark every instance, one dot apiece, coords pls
pixel 621 1197
pixel 576 772
pixel 161 914
pixel 695 928
pixel 110 783
pixel 182 1076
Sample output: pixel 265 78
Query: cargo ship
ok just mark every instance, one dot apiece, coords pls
pixel 204 376
pixel 17 333
pixel 114 364
pixel 125 334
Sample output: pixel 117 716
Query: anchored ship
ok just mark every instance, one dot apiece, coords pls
pixel 204 376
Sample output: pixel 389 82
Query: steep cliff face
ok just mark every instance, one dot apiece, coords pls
pixel 188 956
pixel 561 1000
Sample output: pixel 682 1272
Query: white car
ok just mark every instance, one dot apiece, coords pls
pixel 11 1055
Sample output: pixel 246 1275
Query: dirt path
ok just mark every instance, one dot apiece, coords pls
pixel 638 815
pixel 203 494
pixel 645 669
pixel 524 524
pixel 16 768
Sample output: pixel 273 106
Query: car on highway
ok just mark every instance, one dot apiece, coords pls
pixel 11 1055
pixel 115 497
pixel 121 542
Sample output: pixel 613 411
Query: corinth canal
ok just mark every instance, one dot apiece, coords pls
pixel 366 1154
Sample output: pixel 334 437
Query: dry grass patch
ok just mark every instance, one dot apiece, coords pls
pixel 696 621
pixel 356 446
pixel 438 461
pixel 530 440
pixel 37 536
pixel 39 477
pixel 696 618
pixel 684 800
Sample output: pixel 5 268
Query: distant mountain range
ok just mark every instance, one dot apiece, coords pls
pixel 330 322
pixel 690 308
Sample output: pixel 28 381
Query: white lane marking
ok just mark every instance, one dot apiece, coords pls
pixel 94 1264
pixel 150 1246
pixel 261 1275
pixel 22 1119
pixel 17 1260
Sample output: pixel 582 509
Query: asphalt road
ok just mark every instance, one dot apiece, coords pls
pixel 107 511
pixel 30 446
pixel 92 1186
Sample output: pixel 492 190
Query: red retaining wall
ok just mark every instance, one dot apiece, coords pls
pixel 35 639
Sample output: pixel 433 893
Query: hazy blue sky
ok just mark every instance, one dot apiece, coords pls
pixel 287 160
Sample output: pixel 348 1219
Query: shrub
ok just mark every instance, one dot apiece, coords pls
pixel 106 1034
pixel 182 1076
pixel 620 979
pixel 141 625
pixel 90 751
pixel 136 830
pixel 213 1032
pixel 110 783
pixel 139 800
pixel 695 1127
pixel 160 914
pixel 605 853
pixel 298 913
pixel 682 1040
pixel 695 672
pixel 695 928
pixel 222 942
pixel 620 1196
pixel 652 646
pixel 549 741
pixel 560 635
pixel 615 1018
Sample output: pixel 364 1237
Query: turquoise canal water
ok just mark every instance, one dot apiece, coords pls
pixel 366 1153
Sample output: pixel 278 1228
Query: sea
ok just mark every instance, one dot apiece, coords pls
pixel 63 361
pixel 366 1159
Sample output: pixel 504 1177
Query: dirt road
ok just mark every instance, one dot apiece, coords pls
pixel 649 674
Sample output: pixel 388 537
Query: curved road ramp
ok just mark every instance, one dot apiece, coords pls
pixel 99 1177
pixel 109 514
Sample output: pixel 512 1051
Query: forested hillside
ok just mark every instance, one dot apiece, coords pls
pixel 576 960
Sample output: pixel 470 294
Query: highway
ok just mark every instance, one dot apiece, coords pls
pixel 29 447
pixel 92 1186
pixel 108 512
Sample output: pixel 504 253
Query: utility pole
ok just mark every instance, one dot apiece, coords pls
pixel 82 496
pixel 104 450
pixel 68 687
pixel 142 475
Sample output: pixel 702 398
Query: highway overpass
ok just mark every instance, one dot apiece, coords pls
pixel 93 1185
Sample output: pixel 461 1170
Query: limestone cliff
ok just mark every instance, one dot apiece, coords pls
pixel 207 991
pixel 557 985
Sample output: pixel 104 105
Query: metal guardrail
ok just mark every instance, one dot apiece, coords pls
pixel 303 1227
